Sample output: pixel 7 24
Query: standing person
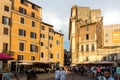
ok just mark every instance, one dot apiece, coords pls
pixel 57 74
pixel 99 71
pixel 62 74
pixel 7 75
pixel 82 71
pixel 113 71
pixel 107 74
pixel 31 74
pixel 101 77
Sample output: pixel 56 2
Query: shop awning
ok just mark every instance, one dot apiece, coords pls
pixel 24 63
pixel 4 56
pixel 97 63
pixel 36 61
pixel 104 62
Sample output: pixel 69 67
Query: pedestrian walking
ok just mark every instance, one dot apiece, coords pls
pixel 57 74
pixel 107 74
pixel 7 75
pixel 31 75
pixel 101 77
pixel 62 74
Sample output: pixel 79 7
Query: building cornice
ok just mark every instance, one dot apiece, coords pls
pixel 47 24
pixel 88 24
pixel 33 4
pixel 58 33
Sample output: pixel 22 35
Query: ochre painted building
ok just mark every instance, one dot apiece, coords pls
pixel 5 25
pixel 5 22
pixel 31 39
pixel 58 48
pixel 25 30
pixel 51 44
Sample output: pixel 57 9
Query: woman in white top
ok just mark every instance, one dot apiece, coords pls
pixel 57 74
pixel 62 74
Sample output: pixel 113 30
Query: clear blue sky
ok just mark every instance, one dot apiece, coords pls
pixel 57 12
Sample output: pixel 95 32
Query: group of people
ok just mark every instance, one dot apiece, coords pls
pixel 23 69
pixel 106 76
pixel 60 73
pixel 100 72
pixel 106 73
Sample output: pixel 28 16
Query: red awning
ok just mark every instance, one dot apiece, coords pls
pixel 4 56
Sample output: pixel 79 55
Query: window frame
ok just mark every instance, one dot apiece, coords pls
pixel 50 45
pixel 33 23
pixel 5 32
pixel 22 20
pixel 6 8
pixel 5 47
pixel 51 56
pixel 92 47
pixel 42 27
pixel 5 20
pixel 33 48
pixel 82 48
pixel 87 36
pixel 57 42
pixel 22 47
pixel 42 35
pixel 33 35
pixel 32 58
pixel 22 32
pixel 50 37
pixel 42 55
pixel 33 14
pixel 50 30
pixel 20 57
pixel 22 10
pixel 41 44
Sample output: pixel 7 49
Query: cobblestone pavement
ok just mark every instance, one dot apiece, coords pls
pixel 51 77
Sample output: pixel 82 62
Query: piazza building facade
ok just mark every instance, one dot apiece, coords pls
pixel 33 40
pixel 87 36
pixel 25 37
pixel 5 23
